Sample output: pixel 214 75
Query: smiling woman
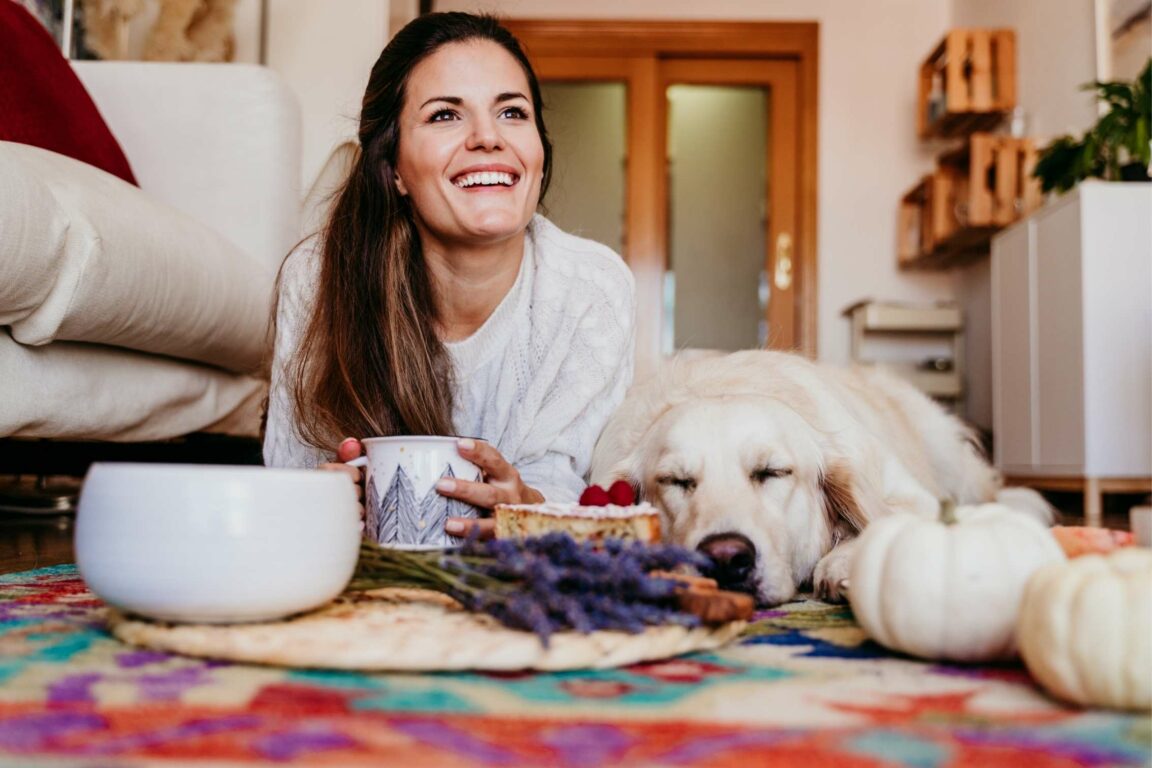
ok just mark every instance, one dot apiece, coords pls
pixel 435 300
pixel 460 130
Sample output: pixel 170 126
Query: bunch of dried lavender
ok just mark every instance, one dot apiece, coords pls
pixel 545 584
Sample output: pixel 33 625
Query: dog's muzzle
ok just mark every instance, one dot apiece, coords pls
pixel 733 559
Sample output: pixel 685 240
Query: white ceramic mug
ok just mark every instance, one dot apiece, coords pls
pixel 402 507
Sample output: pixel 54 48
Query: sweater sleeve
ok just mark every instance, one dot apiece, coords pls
pixel 589 384
pixel 283 446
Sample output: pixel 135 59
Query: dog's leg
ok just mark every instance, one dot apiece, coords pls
pixel 847 509
pixel 851 500
pixel 832 571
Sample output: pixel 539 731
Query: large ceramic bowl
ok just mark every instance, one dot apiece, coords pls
pixel 202 543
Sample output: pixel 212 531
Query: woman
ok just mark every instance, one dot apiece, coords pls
pixel 435 300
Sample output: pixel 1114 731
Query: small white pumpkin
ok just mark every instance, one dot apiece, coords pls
pixel 948 588
pixel 1085 629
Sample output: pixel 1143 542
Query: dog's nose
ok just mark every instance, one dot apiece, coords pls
pixel 733 558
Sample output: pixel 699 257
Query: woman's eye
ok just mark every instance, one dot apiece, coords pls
pixel 515 113
pixel 441 116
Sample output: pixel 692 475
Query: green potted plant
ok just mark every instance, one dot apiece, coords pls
pixel 1115 149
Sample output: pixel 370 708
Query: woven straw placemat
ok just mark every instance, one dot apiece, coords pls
pixel 412 630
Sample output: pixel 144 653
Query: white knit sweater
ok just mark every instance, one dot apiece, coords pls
pixel 538 380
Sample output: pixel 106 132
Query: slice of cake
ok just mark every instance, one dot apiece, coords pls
pixel 638 522
pixel 598 515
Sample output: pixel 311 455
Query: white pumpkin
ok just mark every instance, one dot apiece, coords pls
pixel 1085 629
pixel 948 588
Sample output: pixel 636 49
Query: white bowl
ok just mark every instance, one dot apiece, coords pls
pixel 216 544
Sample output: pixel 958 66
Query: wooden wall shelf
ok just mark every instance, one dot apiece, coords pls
pixel 968 83
pixel 949 217
pixel 990 179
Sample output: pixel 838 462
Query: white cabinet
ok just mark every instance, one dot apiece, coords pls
pixel 1072 342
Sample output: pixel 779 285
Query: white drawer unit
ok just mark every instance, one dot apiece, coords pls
pixel 938 327
pixel 1072 343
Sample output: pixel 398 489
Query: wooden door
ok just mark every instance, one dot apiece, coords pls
pixel 781 172
pixel 648 58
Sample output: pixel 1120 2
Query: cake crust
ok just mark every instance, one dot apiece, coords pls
pixel 638 522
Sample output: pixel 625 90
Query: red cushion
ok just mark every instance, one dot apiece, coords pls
pixel 43 103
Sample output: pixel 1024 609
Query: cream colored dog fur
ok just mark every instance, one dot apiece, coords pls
pixel 793 456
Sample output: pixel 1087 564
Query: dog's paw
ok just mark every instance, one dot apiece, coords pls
pixel 831 573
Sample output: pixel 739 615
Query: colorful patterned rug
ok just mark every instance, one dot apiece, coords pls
pixel 802 688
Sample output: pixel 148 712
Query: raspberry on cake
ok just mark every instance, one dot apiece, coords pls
pixel 586 520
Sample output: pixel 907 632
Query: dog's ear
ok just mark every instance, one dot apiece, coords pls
pixel 842 503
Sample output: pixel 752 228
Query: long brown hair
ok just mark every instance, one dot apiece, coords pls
pixel 369 360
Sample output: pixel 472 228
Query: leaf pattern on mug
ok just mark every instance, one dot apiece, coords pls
pixel 399 511
pixel 400 497
pixel 372 509
pixel 433 514
pixel 457 508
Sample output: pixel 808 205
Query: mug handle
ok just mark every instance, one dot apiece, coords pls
pixel 359 461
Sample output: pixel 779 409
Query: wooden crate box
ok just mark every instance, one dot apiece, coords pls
pixel 950 215
pixel 968 83
pixel 990 180
pixel 924 220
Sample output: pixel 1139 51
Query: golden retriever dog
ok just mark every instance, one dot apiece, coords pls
pixel 770 464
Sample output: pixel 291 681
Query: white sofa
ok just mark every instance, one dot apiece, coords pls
pixel 135 315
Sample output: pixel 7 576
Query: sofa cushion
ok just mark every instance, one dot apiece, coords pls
pixel 43 103
pixel 91 392
pixel 85 256
pixel 220 142
pixel 33 231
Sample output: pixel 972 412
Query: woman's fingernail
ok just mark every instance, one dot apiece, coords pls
pixel 446 485
pixel 454 526
pixel 466 443
pixel 348 441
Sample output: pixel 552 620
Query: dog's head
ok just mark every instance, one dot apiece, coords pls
pixel 748 481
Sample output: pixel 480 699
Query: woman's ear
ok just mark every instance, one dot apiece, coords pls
pixel 400 185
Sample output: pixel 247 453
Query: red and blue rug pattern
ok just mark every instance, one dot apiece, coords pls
pixel 803 687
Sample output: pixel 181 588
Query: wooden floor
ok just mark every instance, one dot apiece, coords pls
pixel 34 541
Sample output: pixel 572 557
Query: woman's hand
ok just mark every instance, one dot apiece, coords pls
pixel 348 450
pixel 502 485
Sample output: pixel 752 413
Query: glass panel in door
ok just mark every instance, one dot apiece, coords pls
pixel 716 290
pixel 587 124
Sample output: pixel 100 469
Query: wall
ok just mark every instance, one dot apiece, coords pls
pixel 868 151
pixel 325 52
pixel 1055 55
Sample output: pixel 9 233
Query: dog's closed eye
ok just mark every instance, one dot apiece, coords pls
pixel 761 475
pixel 684 483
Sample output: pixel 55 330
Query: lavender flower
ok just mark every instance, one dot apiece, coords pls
pixel 545 584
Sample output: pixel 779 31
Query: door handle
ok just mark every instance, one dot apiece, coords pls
pixel 782 275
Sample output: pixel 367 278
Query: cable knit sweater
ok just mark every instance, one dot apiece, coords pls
pixel 538 380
